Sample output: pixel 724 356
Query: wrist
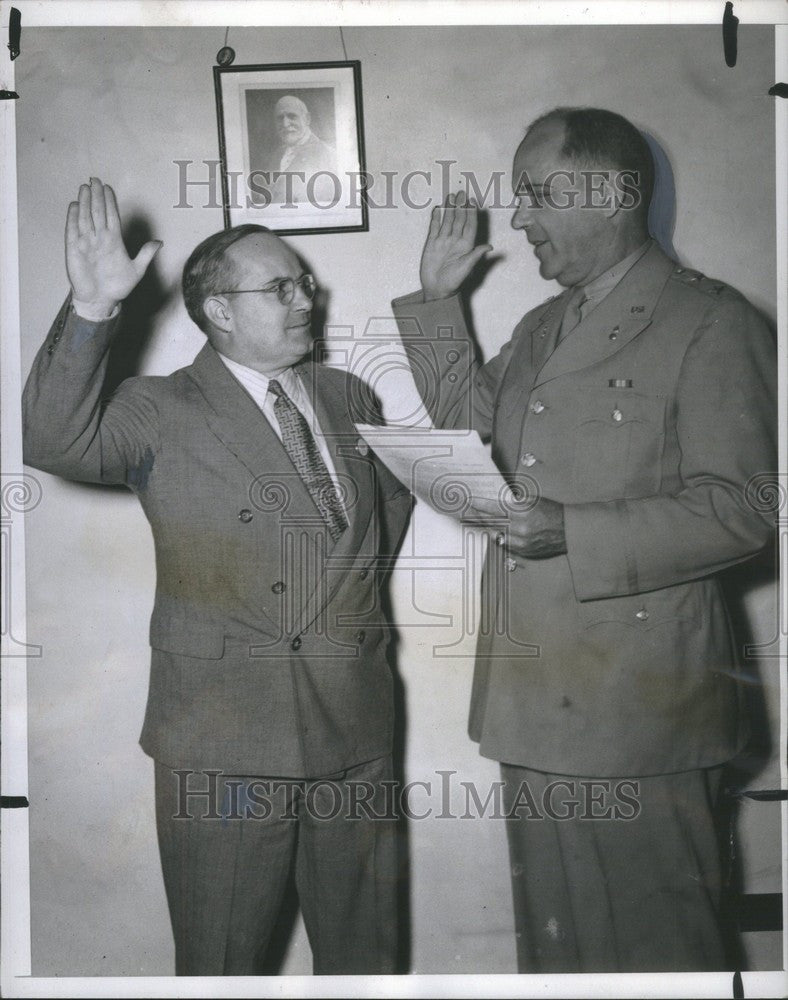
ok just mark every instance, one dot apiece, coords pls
pixel 95 310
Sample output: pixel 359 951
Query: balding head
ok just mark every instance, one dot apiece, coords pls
pixel 210 269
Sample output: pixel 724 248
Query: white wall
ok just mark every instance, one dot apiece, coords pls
pixel 124 104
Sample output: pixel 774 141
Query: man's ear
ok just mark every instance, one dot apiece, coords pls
pixel 217 312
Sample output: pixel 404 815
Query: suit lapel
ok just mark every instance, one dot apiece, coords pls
pixel 354 472
pixel 617 320
pixel 353 468
pixel 237 421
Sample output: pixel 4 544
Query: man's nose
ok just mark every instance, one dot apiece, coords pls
pixel 301 301
pixel 522 216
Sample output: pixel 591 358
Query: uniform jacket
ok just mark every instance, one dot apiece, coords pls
pixel 647 422
pixel 269 644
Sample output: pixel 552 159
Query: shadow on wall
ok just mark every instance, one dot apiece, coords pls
pixel 139 309
pixel 662 210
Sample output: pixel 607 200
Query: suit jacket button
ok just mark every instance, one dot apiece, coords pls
pixel 278 587
pixel 296 643
pixel 245 515
pixel 360 636
pixel 642 615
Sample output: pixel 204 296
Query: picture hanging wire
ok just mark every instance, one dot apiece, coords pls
pixel 342 39
pixel 225 56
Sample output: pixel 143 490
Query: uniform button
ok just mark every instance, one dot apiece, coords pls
pixel 296 643
pixel 537 407
pixel 617 415
pixel 278 587
pixel 529 459
pixel 363 574
pixel 245 515
pixel 613 335
pixel 511 565
pixel 360 636
pixel 642 615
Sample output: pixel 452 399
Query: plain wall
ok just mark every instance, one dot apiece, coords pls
pixel 125 104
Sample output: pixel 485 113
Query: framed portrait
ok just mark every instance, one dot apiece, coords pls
pixel 291 144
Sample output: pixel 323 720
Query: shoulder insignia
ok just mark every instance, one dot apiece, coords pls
pixel 695 279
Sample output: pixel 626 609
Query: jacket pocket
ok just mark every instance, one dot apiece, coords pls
pixel 618 441
pixel 644 612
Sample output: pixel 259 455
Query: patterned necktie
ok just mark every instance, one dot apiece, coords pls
pixel 573 312
pixel 300 446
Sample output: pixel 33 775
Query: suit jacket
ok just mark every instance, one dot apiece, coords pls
pixel 647 422
pixel 269 642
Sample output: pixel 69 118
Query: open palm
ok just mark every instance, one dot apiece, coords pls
pixel 99 268
pixel 449 253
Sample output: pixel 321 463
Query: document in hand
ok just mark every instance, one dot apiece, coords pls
pixel 448 469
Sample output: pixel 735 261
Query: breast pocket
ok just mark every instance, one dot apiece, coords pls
pixel 618 442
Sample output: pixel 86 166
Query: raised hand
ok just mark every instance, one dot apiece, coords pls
pixel 99 268
pixel 449 253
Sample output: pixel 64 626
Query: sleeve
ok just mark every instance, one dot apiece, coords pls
pixel 68 429
pixel 458 392
pixel 726 419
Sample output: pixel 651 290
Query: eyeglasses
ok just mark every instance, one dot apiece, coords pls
pixel 283 287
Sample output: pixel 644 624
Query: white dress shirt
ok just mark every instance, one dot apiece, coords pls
pixel 256 384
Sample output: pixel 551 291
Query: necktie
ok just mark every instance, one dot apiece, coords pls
pixel 573 312
pixel 300 446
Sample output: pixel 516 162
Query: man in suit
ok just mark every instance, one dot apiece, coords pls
pixel 631 410
pixel 270 710
pixel 300 156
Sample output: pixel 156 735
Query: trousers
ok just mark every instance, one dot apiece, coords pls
pixel 228 844
pixel 614 875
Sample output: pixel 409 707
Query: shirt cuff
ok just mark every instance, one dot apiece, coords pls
pixel 92 312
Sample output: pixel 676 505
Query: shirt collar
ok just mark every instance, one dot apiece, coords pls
pixel 604 283
pixel 254 380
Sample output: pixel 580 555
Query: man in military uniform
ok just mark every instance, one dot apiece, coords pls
pixel 637 405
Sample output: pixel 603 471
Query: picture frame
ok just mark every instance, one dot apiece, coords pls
pixel 291 146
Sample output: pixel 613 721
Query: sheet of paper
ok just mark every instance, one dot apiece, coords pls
pixel 448 469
